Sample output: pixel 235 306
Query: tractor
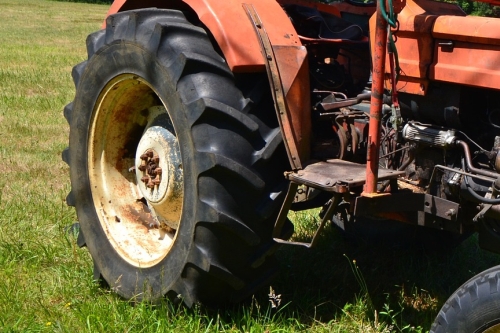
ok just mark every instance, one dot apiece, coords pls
pixel 197 125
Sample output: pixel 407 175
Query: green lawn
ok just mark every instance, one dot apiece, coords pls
pixel 46 280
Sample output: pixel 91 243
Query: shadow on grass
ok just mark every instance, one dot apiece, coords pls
pixel 324 284
pixel 403 275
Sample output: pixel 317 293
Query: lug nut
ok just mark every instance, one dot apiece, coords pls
pixel 142 168
pixel 151 185
pixel 158 171
pixel 157 181
pixel 145 179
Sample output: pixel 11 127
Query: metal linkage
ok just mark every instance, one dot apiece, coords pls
pixel 334 202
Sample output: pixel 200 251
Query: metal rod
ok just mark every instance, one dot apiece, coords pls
pixel 379 53
pixel 285 208
pixel 328 216
pixel 438 166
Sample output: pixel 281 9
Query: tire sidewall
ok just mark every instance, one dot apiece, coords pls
pixel 109 62
pixel 472 308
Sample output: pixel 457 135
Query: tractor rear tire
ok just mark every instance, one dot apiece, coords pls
pixel 177 176
pixel 474 307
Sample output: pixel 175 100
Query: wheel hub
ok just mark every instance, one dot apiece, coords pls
pixel 150 168
pixel 135 171
pixel 159 170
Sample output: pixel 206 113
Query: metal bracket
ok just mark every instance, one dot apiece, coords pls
pixel 276 87
pixel 284 212
pixel 484 210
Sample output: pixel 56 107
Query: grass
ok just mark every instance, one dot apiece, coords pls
pixel 46 280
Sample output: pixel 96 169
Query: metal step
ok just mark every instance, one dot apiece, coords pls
pixel 337 175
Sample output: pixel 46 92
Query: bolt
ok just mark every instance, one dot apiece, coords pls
pixel 145 179
pixel 142 168
pixel 144 157
pixel 451 212
pixel 157 181
pixel 151 185
pixel 156 159
pixel 150 169
pixel 158 171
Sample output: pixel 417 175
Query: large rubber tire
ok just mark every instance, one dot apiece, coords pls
pixel 474 307
pixel 151 71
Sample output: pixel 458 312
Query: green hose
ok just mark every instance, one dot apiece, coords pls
pixel 392 20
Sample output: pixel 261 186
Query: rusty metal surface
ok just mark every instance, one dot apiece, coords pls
pixel 345 102
pixel 393 203
pixel 414 208
pixel 277 88
pixel 379 55
pixel 337 175
pixel 294 73
pixel 441 207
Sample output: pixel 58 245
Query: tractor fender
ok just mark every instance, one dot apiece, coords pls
pixel 236 36
pixel 231 27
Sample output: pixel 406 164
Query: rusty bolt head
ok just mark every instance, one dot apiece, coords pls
pixel 147 155
pixel 157 181
pixel 156 159
pixel 151 185
pixel 142 168
pixel 145 179
pixel 158 171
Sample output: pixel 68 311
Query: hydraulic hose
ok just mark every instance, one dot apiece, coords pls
pixel 479 197
pixel 468 162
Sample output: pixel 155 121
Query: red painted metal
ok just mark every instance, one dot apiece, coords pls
pixel 230 26
pixel 379 55
pixel 415 42
pixel 228 22
pixel 467 51
pixel 493 2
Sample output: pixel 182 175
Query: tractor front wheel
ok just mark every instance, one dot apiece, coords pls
pixel 474 307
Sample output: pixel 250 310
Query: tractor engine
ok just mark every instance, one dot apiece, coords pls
pixel 445 136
